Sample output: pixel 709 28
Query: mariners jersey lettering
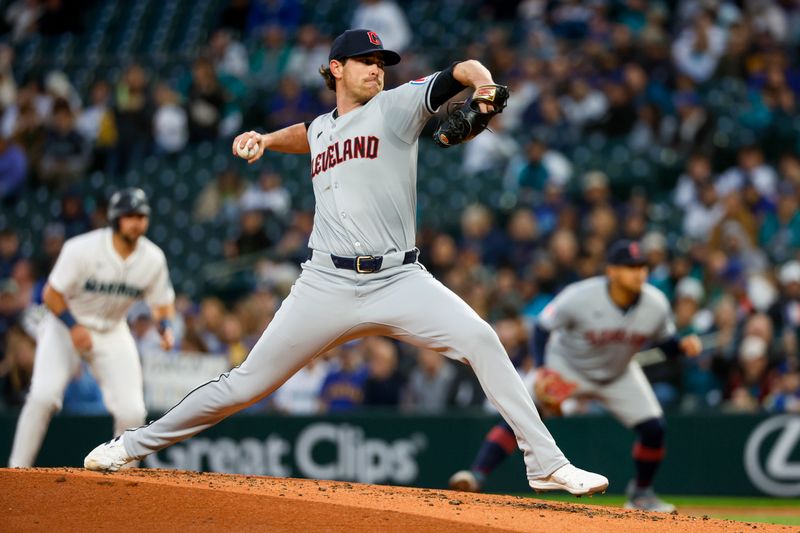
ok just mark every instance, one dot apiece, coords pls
pixel 99 286
pixel 364 172
pixel 597 338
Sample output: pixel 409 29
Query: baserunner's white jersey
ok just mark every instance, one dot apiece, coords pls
pixel 99 286
pixel 364 170
pixel 595 336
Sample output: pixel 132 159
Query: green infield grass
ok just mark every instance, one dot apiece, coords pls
pixel 743 509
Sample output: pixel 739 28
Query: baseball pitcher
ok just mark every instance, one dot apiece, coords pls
pixel 96 279
pixel 362 276
pixel 584 343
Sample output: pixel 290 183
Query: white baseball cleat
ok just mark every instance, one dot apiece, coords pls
pixel 645 499
pixel 571 479
pixel 465 481
pixel 108 457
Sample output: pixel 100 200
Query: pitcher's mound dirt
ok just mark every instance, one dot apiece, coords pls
pixel 74 500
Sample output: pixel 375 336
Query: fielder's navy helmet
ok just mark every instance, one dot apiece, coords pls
pixel 128 201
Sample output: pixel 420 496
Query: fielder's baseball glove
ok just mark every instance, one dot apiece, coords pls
pixel 551 389
pixel 468 120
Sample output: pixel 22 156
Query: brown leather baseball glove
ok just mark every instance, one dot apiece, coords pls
pixel 551 389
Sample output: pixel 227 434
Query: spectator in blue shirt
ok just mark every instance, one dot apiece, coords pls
pixel 343 388
pixel 13 169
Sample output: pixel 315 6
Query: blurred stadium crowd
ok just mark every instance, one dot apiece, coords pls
pixel 675 123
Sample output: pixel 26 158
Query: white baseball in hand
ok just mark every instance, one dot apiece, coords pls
pixel 245 153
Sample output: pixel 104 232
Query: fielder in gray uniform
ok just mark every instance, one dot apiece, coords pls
pixel 362 277
pixel 590 333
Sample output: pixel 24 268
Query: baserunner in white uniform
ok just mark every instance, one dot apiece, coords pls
pixel 589 334
pixel 363 277
pixel 96 279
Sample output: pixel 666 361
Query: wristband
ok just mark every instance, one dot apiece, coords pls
pixel 67 318
pixel 164 324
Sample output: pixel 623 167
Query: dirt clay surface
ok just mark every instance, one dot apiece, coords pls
pixel 74 500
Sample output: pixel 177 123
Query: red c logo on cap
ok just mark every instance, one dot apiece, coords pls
pixel 373 38
pixel 634 250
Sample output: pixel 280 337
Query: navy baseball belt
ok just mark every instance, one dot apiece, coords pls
pixel 364 264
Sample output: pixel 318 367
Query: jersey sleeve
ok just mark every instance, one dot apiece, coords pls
pixel 558 313
pixel 67 272
pixel 408 108
pixel 160 291
pixel 667 328
pixel 311 129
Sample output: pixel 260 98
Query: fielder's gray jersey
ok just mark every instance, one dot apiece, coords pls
pixel 364 168
pixel 99 286
pixel 595 336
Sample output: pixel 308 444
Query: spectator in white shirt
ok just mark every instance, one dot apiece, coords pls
pixel 697 173
pixel 229 55
pixel 170 123
pixel 385 18
pixel 583 105
pixel 766 16
pixel 300 394
pixel 90 120
pixel 703 213
pixel 751 170
pixel 490 152
pixel 698 48
pixel 268 195
pixel 309 52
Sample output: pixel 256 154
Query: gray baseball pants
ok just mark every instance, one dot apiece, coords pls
pixel 327 307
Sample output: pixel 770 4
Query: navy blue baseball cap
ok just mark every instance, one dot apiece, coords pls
pixel 626 253
pixel 359 43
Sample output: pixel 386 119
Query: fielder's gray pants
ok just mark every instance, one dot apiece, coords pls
pixel 327 307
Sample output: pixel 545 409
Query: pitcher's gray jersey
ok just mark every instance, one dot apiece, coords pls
pixel 99 286
pixel 364 171
pixel 595 336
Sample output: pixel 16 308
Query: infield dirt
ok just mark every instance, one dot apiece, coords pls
pixel 75 500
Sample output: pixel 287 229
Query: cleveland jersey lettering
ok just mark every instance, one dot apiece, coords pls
pixel 615 336
pixel 357 147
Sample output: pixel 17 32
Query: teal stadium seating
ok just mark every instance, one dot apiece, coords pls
pixel 165 36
